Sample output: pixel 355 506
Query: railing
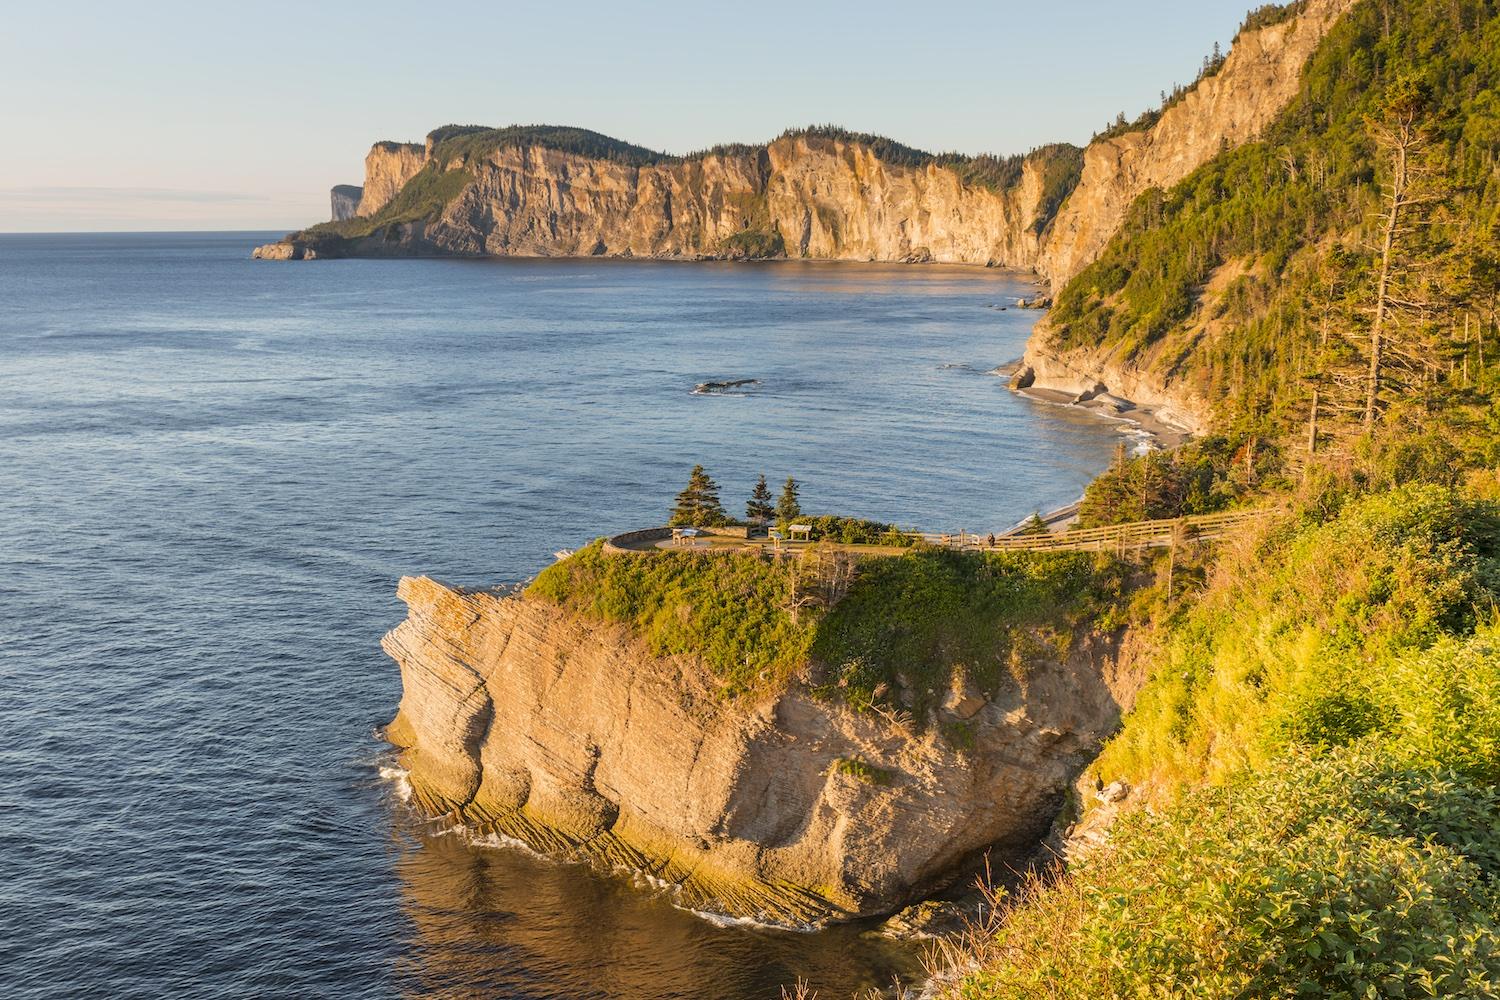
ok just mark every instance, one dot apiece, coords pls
pixel 1117 537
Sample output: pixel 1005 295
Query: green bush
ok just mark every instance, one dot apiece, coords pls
pixel 1283 652
pixel 1443 704
pixel 863 770
pixel 856 531
pixel 910 623
pixel 1329 876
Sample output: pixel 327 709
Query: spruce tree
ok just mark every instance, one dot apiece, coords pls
pixel 698 506
pixel 760 509
pixel 788 508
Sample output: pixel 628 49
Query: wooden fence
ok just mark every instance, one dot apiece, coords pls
pixel 1115 538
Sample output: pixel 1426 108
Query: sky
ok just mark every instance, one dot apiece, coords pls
pixel 216 115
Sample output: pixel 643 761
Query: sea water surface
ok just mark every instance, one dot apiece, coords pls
pixel 212 473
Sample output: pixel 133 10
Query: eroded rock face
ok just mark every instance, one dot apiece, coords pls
pixel 344 201
pixel 520 718
pixel 835 199
pixel 1258 79
pixel 1087 374
pixel 388 166
pixel 812 198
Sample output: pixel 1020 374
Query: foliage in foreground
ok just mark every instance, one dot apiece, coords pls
pixel 1319 744
pixel 1297 643
pixel 1339 875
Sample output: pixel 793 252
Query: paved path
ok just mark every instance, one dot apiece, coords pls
pixel 1132 537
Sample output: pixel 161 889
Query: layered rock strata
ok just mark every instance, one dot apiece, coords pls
pixel 523 719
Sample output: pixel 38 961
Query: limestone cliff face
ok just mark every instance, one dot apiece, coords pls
pixel 1257 80
pixel 839 201
pixel 825 197
pixel 388 166
pixel 344 201
pixel 818 198
pixel 522 719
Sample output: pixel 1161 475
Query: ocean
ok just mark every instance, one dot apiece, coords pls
pixel 214 470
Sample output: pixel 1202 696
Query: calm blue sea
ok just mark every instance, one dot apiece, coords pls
pixel 212 473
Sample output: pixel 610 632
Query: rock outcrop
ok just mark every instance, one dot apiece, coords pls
pixel 1233 106
pixel 344 201
pixel 1134 387
pixel 283 251
pixel 801 196
pixel 523 719
pixel 388 167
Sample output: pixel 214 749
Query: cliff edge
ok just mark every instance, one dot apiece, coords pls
pixel 522 718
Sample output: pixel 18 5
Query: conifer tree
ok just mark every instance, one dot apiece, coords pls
pixel 760 509
pixel 789 507
pixel 698 506
pixel 1402 132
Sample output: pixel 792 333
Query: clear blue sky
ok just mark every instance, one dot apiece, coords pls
pixel 215 115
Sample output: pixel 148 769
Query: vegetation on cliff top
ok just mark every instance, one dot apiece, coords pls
pixel 456 149
pixel 893 635
pixel 1320 745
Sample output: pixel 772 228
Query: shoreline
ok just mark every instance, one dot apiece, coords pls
pixel 1155 428
pixel 291 250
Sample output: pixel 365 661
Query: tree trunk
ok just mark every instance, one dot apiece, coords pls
pixel 1383 288
pixel 1312 426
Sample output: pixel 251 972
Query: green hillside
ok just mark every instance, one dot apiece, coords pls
pixel 1313 764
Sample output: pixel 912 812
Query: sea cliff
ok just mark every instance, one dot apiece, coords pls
pixel 823 194
pixel 529 720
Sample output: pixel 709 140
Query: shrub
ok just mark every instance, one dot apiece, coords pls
pixel 1283 650
pixel 1332 876
pixel 863 770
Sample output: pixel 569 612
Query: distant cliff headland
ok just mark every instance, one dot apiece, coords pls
pixel 816 193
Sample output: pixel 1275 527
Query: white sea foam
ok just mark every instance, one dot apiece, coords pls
pixel 749 923
pixel 400 777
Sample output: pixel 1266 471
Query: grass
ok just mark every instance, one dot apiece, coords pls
pixel 424 197
pixel 732 610
pixel 907 625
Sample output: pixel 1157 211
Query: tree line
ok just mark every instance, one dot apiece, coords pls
pixel 699 504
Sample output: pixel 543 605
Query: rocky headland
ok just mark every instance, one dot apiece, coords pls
pixel 533 721
pixel 824 194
